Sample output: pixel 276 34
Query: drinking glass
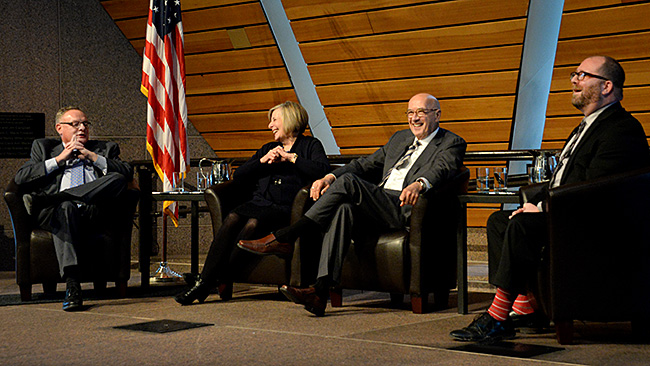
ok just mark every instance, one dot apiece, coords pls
pixel 500 179
pixel 483 180
pixel 201 182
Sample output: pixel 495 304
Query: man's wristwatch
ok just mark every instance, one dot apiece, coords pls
pixel 422 185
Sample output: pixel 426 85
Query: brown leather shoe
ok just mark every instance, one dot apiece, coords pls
pixel 307 297
pixel 266 246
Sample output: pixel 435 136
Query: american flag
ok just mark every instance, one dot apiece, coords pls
pixel 163 82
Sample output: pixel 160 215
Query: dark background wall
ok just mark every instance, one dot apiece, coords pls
pixel 70 52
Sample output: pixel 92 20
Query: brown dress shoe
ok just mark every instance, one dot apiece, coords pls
pixel 266 246
pixel 307 297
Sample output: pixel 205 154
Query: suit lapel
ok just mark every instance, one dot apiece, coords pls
pixel 426 155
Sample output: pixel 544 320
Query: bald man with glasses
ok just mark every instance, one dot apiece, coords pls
pixel 72 179
pixel 607 141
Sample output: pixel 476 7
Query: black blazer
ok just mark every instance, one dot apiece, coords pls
pixel 32 174
pixel 614 143
pixel 279 183
pixel 438 162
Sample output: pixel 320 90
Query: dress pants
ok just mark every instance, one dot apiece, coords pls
pixel 71 221
pixel 351 201
pixel 515 249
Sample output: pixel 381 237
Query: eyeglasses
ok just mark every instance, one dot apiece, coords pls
pixel 421 112
pixel 581 75
pixel 76 124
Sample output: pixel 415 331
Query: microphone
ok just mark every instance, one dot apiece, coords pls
pixel 75 153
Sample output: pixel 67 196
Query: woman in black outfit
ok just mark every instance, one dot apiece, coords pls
pixel 279 169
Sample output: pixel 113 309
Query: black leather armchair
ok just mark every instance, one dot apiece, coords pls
pixel 107 259
pixel 221 199
pixel 596 266
pixel 415 261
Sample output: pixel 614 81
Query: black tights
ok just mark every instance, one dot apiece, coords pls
pixel 224 253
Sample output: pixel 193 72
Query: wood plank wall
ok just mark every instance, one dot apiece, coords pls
pixel 234 71
pixel 368 57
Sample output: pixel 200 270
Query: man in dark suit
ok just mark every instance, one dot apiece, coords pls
pixel 609 140
pixel 379 190
pixel 70 179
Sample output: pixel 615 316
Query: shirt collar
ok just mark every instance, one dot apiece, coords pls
pixel 425 141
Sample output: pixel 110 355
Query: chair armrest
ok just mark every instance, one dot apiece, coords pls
pixel 526 193
pixel 20 219
pixel 222 198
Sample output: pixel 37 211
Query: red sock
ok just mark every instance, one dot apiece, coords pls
pixel 522 305
pixel 501 305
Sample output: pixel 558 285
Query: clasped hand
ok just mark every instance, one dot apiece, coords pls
pixel 76 149
pixel 276 155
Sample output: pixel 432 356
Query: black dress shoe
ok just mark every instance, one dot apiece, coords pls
pixel 73 300
pixel 266 246
pixel 308 297
pixel 199 291
pixel 485 328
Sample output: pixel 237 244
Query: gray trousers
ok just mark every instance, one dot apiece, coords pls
pixel 351 201
pixel 71 221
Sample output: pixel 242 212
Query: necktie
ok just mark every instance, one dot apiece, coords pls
pixel 403 160
pixel 77 174
pixel 568 151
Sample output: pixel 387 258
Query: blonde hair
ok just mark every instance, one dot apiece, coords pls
pixel 294 117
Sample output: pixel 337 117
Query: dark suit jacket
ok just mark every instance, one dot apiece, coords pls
pixel 32 174
pixel 438 162
pixel 614 143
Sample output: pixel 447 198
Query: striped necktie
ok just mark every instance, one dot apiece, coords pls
pixel 566 154
pixel 77 175
pixel 400 162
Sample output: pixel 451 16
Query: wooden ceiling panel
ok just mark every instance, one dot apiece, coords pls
pixel 298 9
pixel 430 64
pixel 589 23
pixel 444 39
pixel 621 47
pixel 239 102
pixel 405 18
pixel 252 58
pixel 270 78
pixel 485 84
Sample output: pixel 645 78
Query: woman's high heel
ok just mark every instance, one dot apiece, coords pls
pixel 199 291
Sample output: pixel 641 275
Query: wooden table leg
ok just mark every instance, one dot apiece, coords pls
pixel 461 257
